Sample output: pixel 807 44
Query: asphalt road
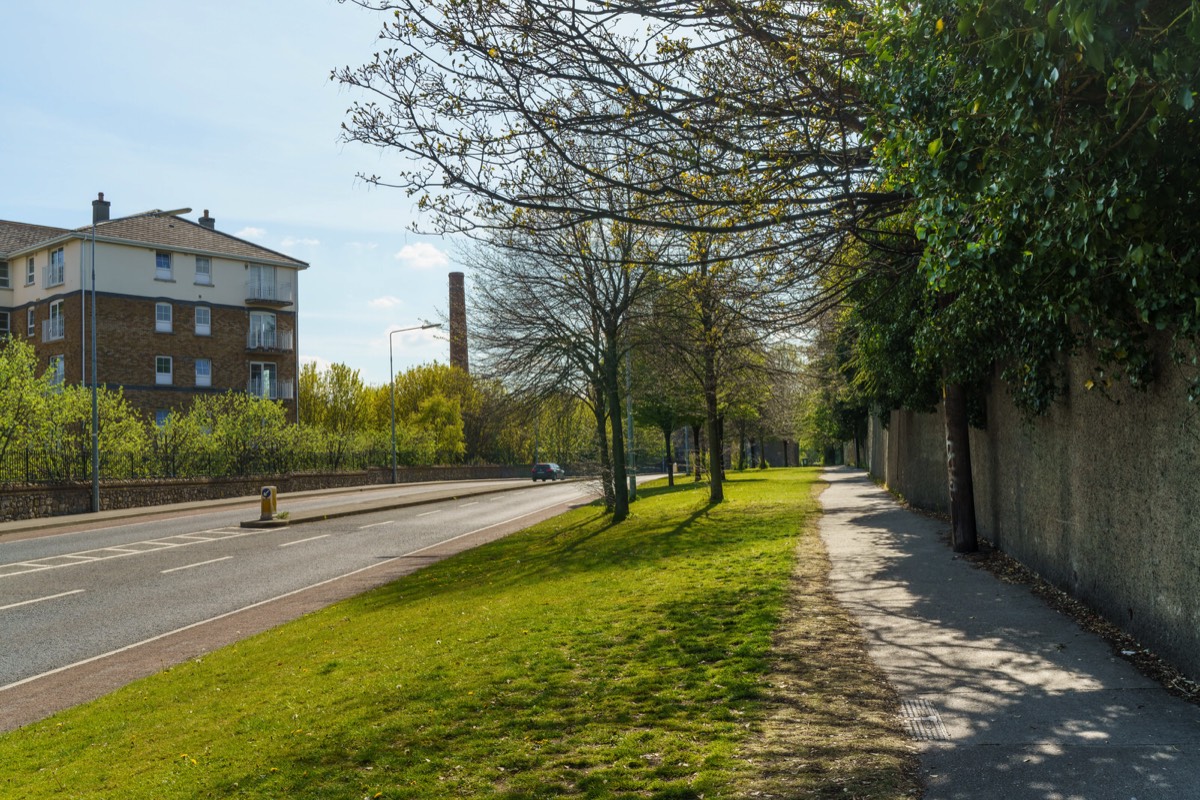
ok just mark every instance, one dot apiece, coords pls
pixel 80 596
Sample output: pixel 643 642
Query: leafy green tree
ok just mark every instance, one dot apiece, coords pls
pixel 21 393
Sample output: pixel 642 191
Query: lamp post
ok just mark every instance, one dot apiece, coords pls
pixel 95 400
pixel 392 382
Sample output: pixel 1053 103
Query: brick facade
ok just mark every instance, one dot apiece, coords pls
pixel 128 342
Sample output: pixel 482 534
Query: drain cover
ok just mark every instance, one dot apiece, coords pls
pixel 922 721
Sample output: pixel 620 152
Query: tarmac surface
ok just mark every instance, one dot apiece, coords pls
pixel 1005 696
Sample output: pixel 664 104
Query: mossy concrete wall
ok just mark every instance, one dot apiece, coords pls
pixel 1101 496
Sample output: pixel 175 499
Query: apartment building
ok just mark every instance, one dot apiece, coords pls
pixel 182 309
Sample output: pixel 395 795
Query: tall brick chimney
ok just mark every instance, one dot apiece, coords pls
pixel 208 222
pixel 100 208
pixel 458 323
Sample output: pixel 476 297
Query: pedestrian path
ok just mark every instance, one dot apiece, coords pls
pixel 1006 697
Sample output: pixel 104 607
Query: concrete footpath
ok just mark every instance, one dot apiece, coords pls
pixel 1006 697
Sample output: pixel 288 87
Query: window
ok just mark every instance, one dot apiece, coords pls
pixel 203 372
pixel 262 330
pixel 31 322
pixel 263 380
pixel 204 270
pixel 5 282
pixel 262 282
pixel 162 370
pixel 57 369
pixel 4 324
pixel 54 328
pixel 56 269
pixel 160 416
pixel 203 321
pixel 30 273
pixel 162 266
pixel 162 317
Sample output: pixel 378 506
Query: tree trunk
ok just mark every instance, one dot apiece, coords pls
pixel 696 459
pixel 716 491
pixel 620 475
pixel 670 460
pixel 958 468
pixel 606 475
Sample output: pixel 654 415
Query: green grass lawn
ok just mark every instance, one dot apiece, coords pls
pixel 574 659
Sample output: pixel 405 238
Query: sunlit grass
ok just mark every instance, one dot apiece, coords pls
pixel 577 658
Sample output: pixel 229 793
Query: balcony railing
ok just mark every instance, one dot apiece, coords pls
pixel 278 341
pixel 53 275
pixel 53 329
pixel 270 292
pixel 270 390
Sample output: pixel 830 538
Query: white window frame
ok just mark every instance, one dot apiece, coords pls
pixel 5 277
pixel 164 314
pixel 54 327
pixel 30 272
pixel 204 328
pixel 204 372
pixel 31 322
pixel 264 387
pixel 264 330
pixel 56 268
pixel 162 273
pixel 162 378
pixel 204 277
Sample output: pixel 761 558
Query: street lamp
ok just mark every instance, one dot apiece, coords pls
pixel 95 402
pixel 392 382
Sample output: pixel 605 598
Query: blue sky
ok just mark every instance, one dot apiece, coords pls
pixel 224 105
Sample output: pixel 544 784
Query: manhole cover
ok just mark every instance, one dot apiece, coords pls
pixel 922 721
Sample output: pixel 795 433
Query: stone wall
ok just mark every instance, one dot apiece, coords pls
pixel 1101 497
pixel 31 502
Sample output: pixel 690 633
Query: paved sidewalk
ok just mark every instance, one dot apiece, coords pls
pixel 1006 697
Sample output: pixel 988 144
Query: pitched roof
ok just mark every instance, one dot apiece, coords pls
pixel 18 235
pixel 167 232
pixel 182 234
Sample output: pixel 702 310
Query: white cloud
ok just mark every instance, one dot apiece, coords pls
pixel 322 363
pixel 422 255
pixel 292 242
pixel 384 302
pixel 251 233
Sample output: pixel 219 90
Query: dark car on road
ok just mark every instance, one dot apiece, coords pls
pixel 548 471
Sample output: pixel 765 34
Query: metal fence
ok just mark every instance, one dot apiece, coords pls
pixel 71 464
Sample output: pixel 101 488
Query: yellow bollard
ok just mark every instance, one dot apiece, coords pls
pixel 268 503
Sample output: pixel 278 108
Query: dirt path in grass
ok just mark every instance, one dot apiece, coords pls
pixel 832 725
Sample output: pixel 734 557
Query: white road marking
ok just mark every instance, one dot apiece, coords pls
pixel 376 524
pixel 302 541
pixel 251 606
pixel 40 599
pixel 198 564
pixel 465 505
pixel 427 513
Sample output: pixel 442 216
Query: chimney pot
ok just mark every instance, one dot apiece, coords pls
pixel 100 208
pixel 208 222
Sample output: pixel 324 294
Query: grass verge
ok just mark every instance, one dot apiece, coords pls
pixel 577 658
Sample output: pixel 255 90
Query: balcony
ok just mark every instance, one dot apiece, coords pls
pixel 269 292
pixel 53 329
pixel 269 340
pixel 53 275
pixel 270 390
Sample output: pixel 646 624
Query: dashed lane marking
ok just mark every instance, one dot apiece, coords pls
pixel 117 551
pixel 197 564
pixel 302 541
pixel 40 599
